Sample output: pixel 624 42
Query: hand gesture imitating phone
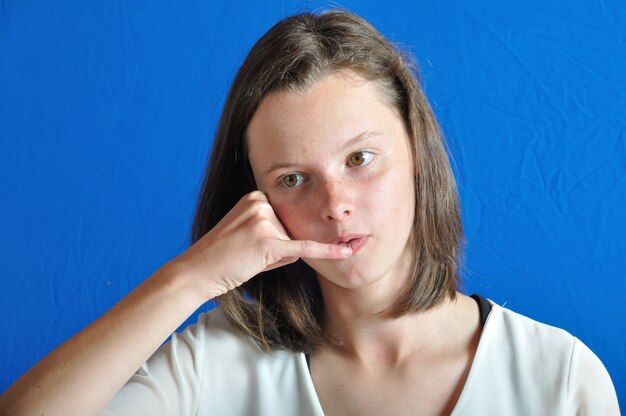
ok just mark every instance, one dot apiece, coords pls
pixel 250 239
pixel 96 363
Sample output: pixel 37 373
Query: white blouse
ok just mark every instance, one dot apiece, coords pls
pixel 521 367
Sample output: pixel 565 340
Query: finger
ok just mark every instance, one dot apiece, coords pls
pixel 310 249
pixel 277 222
pixel 256 195
pixel 282 232
pixel 262 208
pixel 281 263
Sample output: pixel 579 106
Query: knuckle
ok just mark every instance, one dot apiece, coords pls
pixel 307 248
pixel 248 197
pixel 256 196
pixel 267 252
pixel 264 245
pixel 261 226
pixel 258 208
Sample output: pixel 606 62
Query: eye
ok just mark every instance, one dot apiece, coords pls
pixel 292 180
pixel 361 158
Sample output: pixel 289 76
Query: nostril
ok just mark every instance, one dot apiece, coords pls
pixel 338 215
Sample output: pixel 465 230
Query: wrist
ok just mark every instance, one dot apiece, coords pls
pixel 185 284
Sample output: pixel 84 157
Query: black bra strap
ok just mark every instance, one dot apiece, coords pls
pixel 484 308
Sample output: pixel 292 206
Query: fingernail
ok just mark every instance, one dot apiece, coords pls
pixel 346 251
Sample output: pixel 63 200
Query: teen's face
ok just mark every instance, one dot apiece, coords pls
pixel 335 163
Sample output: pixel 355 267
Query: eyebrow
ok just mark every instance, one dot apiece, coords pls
pixel 367 134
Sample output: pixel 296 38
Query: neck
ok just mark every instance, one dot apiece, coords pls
pixel 365 331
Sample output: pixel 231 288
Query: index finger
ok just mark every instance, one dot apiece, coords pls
pixel 311 249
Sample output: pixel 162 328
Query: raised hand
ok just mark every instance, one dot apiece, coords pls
pixel 248 240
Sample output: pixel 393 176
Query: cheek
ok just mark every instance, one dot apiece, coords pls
pixel 293 217
pixel 397 193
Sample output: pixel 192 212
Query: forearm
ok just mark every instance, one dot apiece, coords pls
pixel 83 374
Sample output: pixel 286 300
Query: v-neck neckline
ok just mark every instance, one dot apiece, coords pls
pixel 476 360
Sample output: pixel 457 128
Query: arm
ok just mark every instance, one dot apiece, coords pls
pixel 83 374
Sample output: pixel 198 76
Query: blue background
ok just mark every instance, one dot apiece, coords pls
pixel 107 111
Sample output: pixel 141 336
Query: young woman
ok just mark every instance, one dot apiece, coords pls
pixel 328 227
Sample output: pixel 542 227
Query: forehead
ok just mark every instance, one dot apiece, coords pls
pixel 336 108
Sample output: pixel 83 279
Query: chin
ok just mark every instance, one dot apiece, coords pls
pixel 346 278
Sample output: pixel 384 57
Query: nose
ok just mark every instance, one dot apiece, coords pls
pixel 337 201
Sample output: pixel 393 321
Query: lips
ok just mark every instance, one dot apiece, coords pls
pixel 354 241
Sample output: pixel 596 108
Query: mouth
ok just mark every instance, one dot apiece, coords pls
pixel 354 241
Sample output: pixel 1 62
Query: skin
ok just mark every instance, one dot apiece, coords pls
pixel 83 374
pixel 385 359
pixel 303 155
pixel 313 133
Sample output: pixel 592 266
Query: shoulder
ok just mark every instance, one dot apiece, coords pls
pixel 215 323
pixel 530 341
pixel 532 362
pixel 221 342
pixel 208 364
pixel 526 335
pixel 233 363
pixel 524 352
pixel 214 333
pixel 211 345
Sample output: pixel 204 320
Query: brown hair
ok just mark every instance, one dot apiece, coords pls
pixel 280 308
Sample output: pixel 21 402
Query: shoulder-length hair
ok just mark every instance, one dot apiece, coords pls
pixel 280 308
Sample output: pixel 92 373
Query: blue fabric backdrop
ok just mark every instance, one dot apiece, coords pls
pixel 107 111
